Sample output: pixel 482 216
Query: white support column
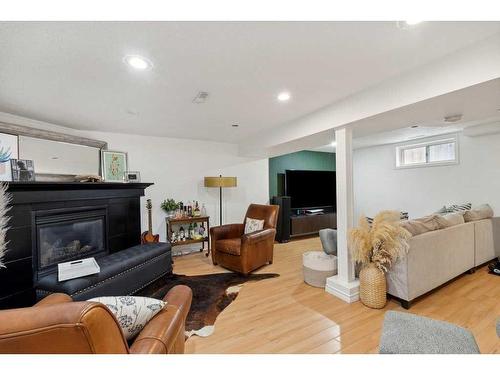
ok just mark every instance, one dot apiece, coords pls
pixel 344 285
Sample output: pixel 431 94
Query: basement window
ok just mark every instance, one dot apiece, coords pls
pixel 442 151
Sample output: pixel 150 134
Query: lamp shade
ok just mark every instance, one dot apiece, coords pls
pixel 220 182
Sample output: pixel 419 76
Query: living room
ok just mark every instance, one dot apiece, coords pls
pixel 195 187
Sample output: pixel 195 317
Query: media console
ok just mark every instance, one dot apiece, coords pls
pixel 302 225
pixel 291 225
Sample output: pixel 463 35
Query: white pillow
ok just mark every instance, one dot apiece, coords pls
pixel 132 312
pixel 253 225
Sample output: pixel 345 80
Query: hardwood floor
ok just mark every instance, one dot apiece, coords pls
pixel 285 315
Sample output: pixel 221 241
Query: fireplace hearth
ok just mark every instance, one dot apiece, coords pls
pixel 67 234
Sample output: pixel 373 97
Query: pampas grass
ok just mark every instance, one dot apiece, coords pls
pixel 4 221
pixel 382 244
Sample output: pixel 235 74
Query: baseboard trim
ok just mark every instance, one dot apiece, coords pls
pixel 347 292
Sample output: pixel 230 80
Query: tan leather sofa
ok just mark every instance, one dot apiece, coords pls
pixel 240 252
pixel 436 257
pixel 57 325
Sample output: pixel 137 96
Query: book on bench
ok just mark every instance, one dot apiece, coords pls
pixel 77 268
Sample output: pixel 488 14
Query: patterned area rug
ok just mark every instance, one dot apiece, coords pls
pixel 211 294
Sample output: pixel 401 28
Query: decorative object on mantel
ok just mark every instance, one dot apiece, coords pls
pixel 88 178
pixel 211 295
pixel 4 220
pixel 114 165
pixel 220 182
pixel 22 170
pixel 132 176
pixel 148 236
pixel 8 150
pixel 377 248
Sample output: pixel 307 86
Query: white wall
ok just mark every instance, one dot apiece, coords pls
pixel 421 191
pixel 177 167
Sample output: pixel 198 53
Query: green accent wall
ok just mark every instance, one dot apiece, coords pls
pixel 302 160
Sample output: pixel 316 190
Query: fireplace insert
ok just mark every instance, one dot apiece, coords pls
pixel 63 235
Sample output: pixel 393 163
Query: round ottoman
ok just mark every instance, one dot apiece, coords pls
pixel 317 267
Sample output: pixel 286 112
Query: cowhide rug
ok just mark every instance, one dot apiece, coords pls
pixel 211 294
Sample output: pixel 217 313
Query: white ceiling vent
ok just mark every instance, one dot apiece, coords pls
pixel 201 97
pixel 453 118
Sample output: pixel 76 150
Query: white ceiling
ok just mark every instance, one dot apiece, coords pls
pixel 72 74
pixel 478 104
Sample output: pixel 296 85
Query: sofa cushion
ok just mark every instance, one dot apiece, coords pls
pixel 449 220
pixel 132 313
pixel 479 213
pixel 229 246
pixel 421 225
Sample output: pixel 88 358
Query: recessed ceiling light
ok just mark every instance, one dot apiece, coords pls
pixel 412 22
pixel 284 96
pixel 138 62
pixel 408 24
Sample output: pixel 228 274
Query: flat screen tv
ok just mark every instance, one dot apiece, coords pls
pixel 311 189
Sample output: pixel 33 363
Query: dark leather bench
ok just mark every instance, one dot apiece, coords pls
pixel 122 273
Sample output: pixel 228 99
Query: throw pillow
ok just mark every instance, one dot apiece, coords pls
pixel 253 225
pixel 454 208
pixel 422 225
pixel 132 312
pixel 479 213
pixel 449 220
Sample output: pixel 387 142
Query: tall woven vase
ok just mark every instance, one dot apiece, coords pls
pixel 372 287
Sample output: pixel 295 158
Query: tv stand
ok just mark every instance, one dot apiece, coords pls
pixel 303 225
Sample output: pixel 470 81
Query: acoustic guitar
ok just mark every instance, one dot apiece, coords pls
pixel 149 237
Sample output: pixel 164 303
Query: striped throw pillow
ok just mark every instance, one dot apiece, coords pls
pixel 455 208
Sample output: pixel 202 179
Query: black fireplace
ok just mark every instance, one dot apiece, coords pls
pixel 63 235
pixel 53 222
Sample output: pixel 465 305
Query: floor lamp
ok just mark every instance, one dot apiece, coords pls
pixel 220 182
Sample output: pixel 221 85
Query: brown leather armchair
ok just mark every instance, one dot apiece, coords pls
pixel 57 325
pixel 240 252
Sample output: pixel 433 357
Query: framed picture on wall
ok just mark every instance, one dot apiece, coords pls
pixel 9 149
pixel 114 165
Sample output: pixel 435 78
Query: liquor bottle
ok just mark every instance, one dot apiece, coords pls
pixel 196 211
pixel 190 231
pixel 182 234
pixel 189 209
pixel 203 210
pixel 201 231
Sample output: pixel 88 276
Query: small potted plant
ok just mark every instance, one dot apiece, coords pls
pixel 169 206
pixel 377 248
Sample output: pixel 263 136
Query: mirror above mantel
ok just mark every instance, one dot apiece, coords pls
pixel 56 156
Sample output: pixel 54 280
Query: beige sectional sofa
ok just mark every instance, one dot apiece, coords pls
pixel 438 256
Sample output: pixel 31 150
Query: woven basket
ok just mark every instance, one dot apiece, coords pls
pixel 372 287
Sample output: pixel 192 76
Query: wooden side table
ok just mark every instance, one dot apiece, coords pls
pixel 188 220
